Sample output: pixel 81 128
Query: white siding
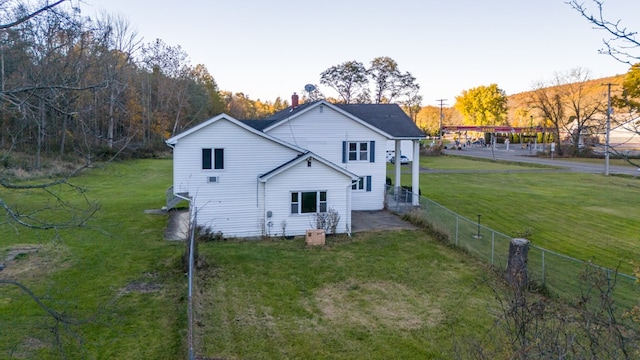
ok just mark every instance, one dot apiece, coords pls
pixel 318 177
pixel 322 130
pixel 234 205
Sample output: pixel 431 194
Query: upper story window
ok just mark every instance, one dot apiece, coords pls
pixel 358 151
pixel 212 159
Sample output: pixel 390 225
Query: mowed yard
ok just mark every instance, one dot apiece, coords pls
pixel 377 295
pixel 586 216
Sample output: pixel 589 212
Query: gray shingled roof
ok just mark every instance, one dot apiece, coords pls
pixel 258 124
pixel 388 118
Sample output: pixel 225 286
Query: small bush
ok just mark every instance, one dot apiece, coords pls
pixel 206 234
pixel 435 150
pixel 328 221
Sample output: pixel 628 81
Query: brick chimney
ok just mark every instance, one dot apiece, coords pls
pixel 294 101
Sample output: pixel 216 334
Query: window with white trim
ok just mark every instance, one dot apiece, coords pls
pixel 303 202
pixel 363 183
pixel 212 158
pixel 358 151
pixel 358 185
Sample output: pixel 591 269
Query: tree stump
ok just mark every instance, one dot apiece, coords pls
pixel 517 264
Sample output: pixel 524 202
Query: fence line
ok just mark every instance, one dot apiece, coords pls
pixel 558 273
pixel 192 240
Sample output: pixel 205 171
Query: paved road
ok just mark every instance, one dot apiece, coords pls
pixel 524 155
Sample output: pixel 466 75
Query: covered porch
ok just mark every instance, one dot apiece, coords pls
pixel 413 197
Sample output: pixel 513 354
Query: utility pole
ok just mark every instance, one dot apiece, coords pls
pixel 441 101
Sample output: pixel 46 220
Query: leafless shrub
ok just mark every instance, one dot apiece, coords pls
pixel 534 326
pixel 328 221
pixel 283 226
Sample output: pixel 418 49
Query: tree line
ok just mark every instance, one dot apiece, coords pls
pixel 74 85
pixel 71 84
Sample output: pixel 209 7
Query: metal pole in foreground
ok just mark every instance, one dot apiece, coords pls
pixel 606 146
pixel 477 236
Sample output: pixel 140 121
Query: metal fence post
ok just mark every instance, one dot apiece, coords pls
pixel 493 246
pixel 426 209
pixel 543 279
pixel 457 221
pixel 192 240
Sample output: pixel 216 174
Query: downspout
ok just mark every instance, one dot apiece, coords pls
pixel 174 193
pixel 349 194
pixel 264 211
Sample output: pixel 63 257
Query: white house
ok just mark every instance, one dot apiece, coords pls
pixel 269 177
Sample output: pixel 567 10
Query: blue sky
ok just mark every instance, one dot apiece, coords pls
pixel 273 48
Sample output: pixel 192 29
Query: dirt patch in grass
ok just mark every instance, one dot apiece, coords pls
pixel 33 261
pixel 255 317
pixel 144 286
pixel 377 304
pixel 28 348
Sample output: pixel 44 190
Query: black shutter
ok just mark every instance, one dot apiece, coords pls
pixel 372 151
pixel 344 152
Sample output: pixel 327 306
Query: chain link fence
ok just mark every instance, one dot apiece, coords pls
pixel 190 258
pixel 560 275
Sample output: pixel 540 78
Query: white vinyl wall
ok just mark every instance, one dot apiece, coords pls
pixel 302 178
pixel 233 204
pixel 323 131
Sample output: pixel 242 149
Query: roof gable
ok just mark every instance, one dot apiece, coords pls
pixel 386 119
pixel 301 158
pixel 172 141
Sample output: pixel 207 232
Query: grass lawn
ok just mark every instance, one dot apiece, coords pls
pixel 118 275
pixel 375 295
pixel 586 216
pixel 381 295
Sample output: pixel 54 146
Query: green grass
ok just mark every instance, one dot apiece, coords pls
pixel 376 295
pixel 382 295
pixel 586 216
pixel 88 273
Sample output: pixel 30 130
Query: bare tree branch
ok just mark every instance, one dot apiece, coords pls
pixel 31 15
pixel 54 314
pixel 622 39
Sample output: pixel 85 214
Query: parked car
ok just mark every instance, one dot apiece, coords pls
pixel 403 160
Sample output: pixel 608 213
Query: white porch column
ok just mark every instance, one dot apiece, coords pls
pixel 398 163
pixel 415 173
